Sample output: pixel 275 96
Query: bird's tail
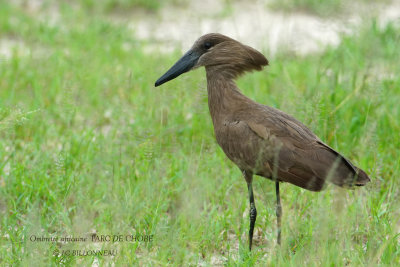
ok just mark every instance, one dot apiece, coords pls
pixel 362 178
pixel 343 172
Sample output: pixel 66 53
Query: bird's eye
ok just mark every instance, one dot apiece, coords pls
pixel 207 45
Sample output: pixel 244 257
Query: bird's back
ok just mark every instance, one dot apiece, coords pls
pixel 268 142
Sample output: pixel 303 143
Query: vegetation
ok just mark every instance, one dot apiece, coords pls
pixel 112 5
pixel 320 7
pixel 88 145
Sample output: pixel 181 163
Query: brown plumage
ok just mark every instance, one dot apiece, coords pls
pixel 259 139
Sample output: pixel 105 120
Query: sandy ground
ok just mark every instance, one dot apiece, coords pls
pixel 255 24
pixel 251 22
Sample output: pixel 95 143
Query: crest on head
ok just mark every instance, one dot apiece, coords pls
pixel 215 51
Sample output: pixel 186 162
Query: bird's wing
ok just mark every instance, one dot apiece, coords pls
pixel 278 145
pixel 296 157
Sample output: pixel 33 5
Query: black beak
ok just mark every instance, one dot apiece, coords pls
pixel 183 65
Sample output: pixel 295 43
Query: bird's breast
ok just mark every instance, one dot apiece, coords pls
pixel 241 145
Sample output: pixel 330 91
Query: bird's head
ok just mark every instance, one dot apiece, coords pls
pixel 217 52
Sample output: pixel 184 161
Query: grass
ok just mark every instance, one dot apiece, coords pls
pixel 120 5
pixel 88 145
pixel 318 7
pixel 324 8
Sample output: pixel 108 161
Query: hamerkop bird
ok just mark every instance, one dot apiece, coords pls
pixel 260 140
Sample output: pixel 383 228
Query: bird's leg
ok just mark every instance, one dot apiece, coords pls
pixel 253 213
pixel 253 210
pixel 278 211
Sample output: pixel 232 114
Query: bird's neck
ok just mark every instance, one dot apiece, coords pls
pixel 224 96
